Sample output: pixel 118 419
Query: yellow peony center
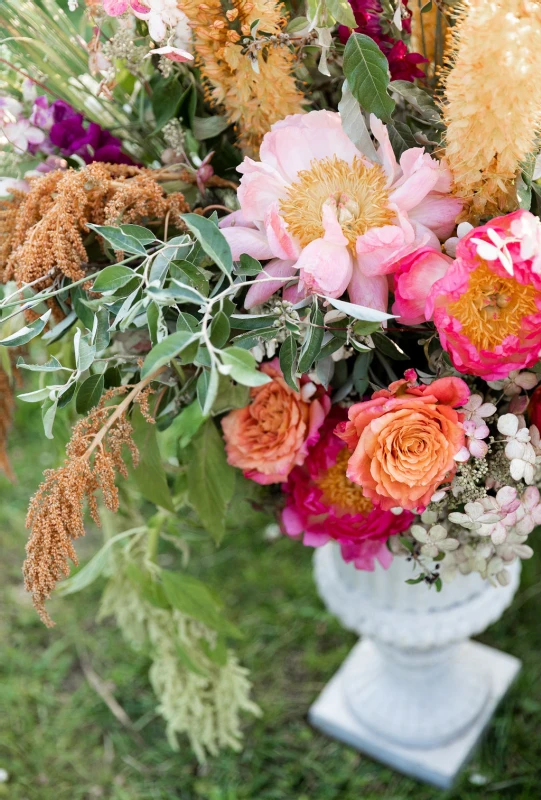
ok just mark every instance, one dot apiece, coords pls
pixel 339 491
pixel 357 191
pixel 493 308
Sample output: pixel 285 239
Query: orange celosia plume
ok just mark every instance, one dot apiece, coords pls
pixel 252 102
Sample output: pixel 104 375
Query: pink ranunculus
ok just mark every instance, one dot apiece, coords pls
pixel 487 307
pixel 340 221
pixel 414 277
pixel 323 505
pixel 404 441
pixel 273 433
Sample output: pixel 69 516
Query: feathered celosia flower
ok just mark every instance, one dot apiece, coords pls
pixel 492 123
pixel 255 101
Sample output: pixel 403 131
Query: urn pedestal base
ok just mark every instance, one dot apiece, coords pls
pixel 333 715
pixel 415 693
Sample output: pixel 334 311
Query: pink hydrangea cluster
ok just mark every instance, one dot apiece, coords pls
pixel 323 505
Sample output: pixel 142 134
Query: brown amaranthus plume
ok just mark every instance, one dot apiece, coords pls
pixel 55 515
pixel 42 233
pixel 252 102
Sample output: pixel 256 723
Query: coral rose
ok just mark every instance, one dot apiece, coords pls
pixel 323 505
pixel 404 441
pixel 271 435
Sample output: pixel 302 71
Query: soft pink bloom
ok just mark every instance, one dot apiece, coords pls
pixel 323 505
pixel 529 512
pixel 338 220
pixel 487 308
pixel 172 53
pixel 274 432
pixel 414 277
pixel 161 16
pixel 490 516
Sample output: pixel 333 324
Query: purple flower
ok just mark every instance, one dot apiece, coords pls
pixel 70 136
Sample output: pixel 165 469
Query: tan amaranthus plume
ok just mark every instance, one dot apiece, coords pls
pixel 252 102
pixel 492 101
pixel 55 515
pixel 42 233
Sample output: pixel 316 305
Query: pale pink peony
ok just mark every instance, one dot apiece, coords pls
pixel 487 307
pixel 319 210
pixel 271 435
pixel 414 277
pixel 323 505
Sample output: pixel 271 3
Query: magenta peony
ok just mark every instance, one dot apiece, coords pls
pixel 487 307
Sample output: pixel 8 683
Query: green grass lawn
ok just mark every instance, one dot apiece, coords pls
pixel 60 741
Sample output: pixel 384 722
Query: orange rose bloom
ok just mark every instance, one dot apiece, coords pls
pixel 272 435
pixel 404 441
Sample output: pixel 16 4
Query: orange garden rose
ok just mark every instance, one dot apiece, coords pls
pixel 271 435
pixel 404 441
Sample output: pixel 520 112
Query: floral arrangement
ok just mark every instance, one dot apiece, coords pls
pixel 344 340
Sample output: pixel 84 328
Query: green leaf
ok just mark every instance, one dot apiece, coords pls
pixel 288 358
pixel 148 587
pixel 207 389
pixel 27 333
pixel 331 347
pixel 119 240
pixel 188 274
pixel 248 266
pixel 182 429
pixel 297 24
pixel 360 372
pixel 191 597
pixel 359 312
pixel 187 322
pixel 166 100
pixel 66 395
pixel 220 330
pixel 250 322
pixel 242 367
pixel 208 127
pixel 59 330
pixel 89 393
pixel 93 568
pixel 312 342
pixel 162 353
pixel 407 543
pixel 401 137
pixel 211 240
pixel 388 347
pixel 252 338
pixel 102 331
pixel 78 296
pixel 143 235
pixel 149 474
pixel 84 351
pixel 418 579
pixel 211 481
pixel 354 124
pixel 52 365
pixel 342 12
pixel 365 328
pixel 367 73
pixel 421 101
pixel 112 278
pixel 48 415
pixel 230 395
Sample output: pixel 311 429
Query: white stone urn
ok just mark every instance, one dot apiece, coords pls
pixel 415 693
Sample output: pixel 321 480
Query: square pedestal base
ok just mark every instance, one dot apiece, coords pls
pixel 438 766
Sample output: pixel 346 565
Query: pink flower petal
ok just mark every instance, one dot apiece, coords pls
pixel 172 53
pixel 372 292
pixel 437 212
pixel 260 291
pixel 247 240
pixel 114 8
pixel 280 241
pixel 325 268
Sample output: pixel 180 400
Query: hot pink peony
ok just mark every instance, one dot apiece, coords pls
pixel 318 209
pixel 271 435
pixel 414 277
pixel 487 308
pixel 323 505
pixel 405 439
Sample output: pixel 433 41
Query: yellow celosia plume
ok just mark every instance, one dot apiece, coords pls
pixel 492 101
pixel 253 102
